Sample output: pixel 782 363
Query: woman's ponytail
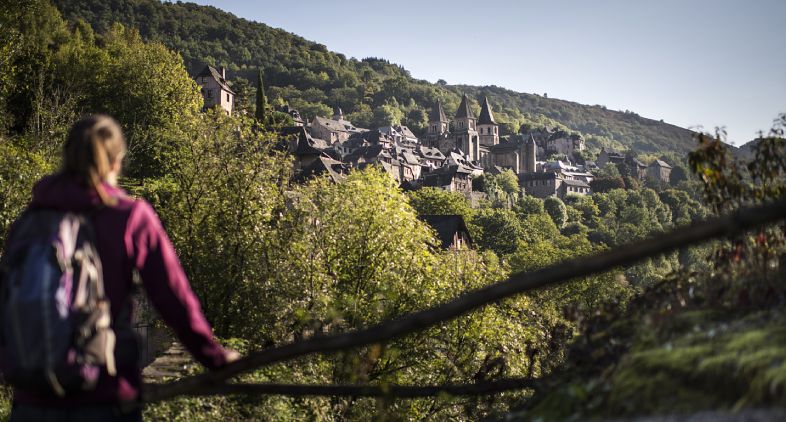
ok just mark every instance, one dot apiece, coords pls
pixel 94 144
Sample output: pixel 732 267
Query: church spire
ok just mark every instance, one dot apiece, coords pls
pixel 486 117
pixel 464 111
pixel 437 114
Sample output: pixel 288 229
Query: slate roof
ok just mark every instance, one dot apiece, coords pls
pixel 660 163
pixel 367 153
pixel 336 170
pixel 504 147
pixel 210 71
pixel 432 153
pixel 437 114
pixel 339 126
pixel 486 117
pixel 406 132
pixel 446 227
pixel 636 161
pixel 543 175
pixel 444 175
pixel 576 183
pixel 463 110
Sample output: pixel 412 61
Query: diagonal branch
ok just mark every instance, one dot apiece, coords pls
pixel 729 225
pixel 393 391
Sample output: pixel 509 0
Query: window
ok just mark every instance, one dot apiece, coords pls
pixel 209 93
pixel 229 100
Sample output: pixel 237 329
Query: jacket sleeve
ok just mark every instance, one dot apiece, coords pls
pixel 167 287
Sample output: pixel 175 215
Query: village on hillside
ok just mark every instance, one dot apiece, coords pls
pixel 448 156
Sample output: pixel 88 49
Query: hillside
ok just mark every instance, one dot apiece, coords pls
pixel 371 91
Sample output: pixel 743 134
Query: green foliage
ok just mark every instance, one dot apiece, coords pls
pixel 261 101
pixel 20 167
pixel 435 201
pixel 217 201
pixel 498 230
pixel 503 189
pixel 604 184
pixel 555 208
pixel 527 205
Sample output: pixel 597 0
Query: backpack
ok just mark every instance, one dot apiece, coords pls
pixel 56 326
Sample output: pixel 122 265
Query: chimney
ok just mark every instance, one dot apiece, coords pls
pixel 223 72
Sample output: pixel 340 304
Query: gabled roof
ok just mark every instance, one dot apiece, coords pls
pixel 336 170
pixel 331 124
pixel 464 111
pixel 406 132
pixel 486 117
pixel 660 163
pixel 444 175
pixel 211 72
pixel 446 227
pixel 368 153
pixel 431 153
pixel 437 114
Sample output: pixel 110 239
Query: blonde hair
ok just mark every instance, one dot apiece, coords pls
pixel 93 145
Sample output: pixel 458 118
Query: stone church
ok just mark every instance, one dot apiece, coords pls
pixel 478 138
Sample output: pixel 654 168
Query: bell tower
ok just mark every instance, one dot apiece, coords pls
pixel 488 128
pixel 465 130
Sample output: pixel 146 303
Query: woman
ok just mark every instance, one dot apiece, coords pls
pixel 129 238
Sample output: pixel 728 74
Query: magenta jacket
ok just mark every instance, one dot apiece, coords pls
pixel 130 236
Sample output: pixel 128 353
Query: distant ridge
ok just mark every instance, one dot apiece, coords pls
pixel 315 79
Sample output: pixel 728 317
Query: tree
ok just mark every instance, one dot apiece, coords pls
pixel 555 208
pixel 678 174
pixel 527 205
pixel 499 230
pixel 508 182
pixel 261 101
pixel 606 184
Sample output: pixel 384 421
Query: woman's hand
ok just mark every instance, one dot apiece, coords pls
pixel 231 355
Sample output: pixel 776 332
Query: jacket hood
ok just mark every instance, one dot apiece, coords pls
pixel 65 194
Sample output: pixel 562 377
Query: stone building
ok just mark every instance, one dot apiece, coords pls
pixel 463 134
pixel 334 130
pixel 606 157
pixel 549 183
pixel 214 89
pixel 402 135
pixel 517 154
pixel 452 178
pixel 659 170
pixel 551 142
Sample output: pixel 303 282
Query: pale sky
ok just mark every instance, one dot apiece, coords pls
pixel 693 63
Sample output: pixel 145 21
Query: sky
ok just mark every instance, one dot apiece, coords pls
pixel 699 64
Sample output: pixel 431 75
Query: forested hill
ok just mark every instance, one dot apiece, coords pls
pixel 371 91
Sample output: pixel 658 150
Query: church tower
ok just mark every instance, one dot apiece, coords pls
pixel 437 124
pixel 465 130
pixel 529 155
pixel 488 128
